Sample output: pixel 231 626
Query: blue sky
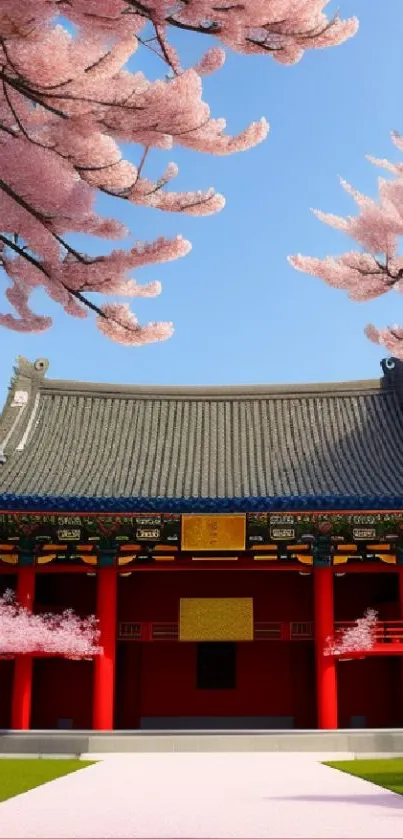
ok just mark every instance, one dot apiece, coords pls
pixel 241 313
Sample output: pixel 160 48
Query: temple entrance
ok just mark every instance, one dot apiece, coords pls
pixel 182 686
pixel 163 682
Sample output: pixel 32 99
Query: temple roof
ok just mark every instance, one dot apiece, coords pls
pixel 67 443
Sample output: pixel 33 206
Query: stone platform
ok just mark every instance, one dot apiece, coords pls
pixel 346 742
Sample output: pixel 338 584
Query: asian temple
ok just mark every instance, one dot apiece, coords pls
pixel 220 535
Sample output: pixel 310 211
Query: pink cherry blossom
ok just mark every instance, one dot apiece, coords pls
pixel 65 634
pixel 357 638
pixel 378 267
pixel 211 61
pixel 282 28
pixel 119 323
pixel 391 338
pixel 68 101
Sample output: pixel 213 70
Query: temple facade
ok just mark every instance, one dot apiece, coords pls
pixel 221 535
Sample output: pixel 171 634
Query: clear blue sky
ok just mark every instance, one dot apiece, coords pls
pixel 241 313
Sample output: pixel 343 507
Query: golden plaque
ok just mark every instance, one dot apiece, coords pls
pixel 216 619
pixel 213 533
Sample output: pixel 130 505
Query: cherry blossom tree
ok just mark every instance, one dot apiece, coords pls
pixel 357 638
pixel 377 267
pixel 65 634
pixel 67 103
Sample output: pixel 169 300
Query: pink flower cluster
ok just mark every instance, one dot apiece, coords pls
pixel 378 266
pixel 282 28
pixel 65 634
pixel 356 638
pixel 69 101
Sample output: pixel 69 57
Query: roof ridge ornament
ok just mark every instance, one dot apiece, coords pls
pixel 388 364
pixel 30 369
pixel 18 414
pixel 392 369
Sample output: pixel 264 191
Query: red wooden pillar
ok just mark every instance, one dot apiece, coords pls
pixel 326 677
pixel 400 573
pixel 22 684
pixel 104 665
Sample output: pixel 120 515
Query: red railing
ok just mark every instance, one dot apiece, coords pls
pixel 388 634
pixel 385 632
pixel 165 631
pixel 386 638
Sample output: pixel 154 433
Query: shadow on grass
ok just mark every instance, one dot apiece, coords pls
pixel 383 799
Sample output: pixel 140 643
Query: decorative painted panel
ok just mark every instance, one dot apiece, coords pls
pixel 264 528
pixel 320 538
pixel 105 532
pixel 213 533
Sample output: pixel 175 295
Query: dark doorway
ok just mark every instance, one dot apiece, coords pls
pixel 216 665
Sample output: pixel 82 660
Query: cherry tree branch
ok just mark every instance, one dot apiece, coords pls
pixel 38 265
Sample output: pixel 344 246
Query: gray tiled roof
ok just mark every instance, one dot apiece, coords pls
pixel 70 438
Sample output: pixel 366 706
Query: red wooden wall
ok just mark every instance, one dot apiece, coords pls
pixel 61 689
pixel 371 687
pixel 7 581
pixel 66 591
pixel 354 593
pixel 155 596
pixel 6 686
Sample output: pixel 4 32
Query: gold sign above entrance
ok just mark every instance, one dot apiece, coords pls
pixel 216 619
pixel 213 533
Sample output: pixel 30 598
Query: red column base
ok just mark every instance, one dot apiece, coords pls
pixel 103 706
pixel 22 694
pixel 326 676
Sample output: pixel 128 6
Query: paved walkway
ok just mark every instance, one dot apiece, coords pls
pixel 207 796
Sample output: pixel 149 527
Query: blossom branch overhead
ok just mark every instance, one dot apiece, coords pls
pixel 68 102
pixel 377 267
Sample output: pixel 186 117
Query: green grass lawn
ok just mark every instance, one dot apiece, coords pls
pixel 19 775
pixel 384 773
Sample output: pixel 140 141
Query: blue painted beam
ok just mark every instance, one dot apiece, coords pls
pixel 83 504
